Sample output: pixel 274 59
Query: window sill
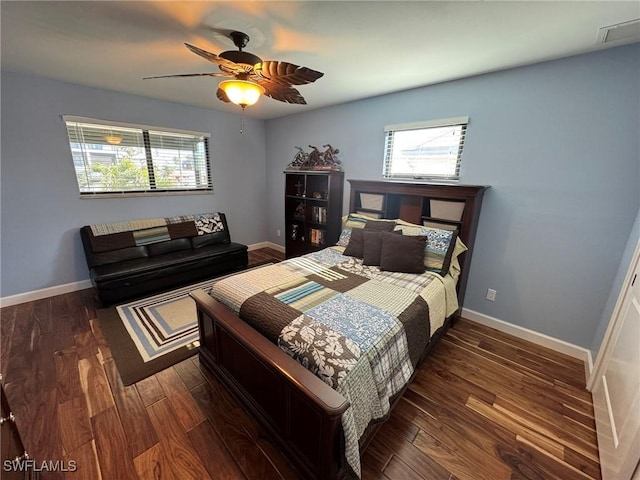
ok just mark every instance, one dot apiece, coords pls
pixel 97 196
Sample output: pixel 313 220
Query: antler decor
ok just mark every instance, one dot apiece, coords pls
pixel 316 160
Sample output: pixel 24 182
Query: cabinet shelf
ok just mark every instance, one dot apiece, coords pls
pixel 313 210
pixel 370 210
pixel 311 199
pixel 442 220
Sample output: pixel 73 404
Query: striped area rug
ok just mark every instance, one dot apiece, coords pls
pixel 153 333
pixel 163 323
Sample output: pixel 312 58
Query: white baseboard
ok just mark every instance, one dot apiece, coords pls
pixel 556 344
pixel 44 293
pixel 81 285
pixel 275 246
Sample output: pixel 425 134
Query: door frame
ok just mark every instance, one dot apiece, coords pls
pixel 605 346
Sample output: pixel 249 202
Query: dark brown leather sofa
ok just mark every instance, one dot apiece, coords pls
pixel 122 271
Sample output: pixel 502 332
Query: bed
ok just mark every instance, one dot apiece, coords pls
pixel 319 347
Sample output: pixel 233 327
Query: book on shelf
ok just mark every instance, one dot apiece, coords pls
pixel 319 214
pixel 317 236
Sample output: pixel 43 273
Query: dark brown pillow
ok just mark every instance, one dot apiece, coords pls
pixel 402 253
pixel 380 225
pixel 356 244
pixel 372 246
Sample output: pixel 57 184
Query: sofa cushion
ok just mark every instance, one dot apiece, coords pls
pixel 217 238
pixel 115 256
pixel 162 248
pixel 184 258
pixel 148 283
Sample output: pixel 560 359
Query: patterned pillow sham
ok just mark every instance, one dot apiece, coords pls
pixel 345 236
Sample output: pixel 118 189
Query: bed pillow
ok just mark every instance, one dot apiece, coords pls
pixel 356 220
pixel 345 236
pixel 372 246
pixel 439 248
pixel 356 244
pixel 380 225
pixel 403 253
pixel 348 222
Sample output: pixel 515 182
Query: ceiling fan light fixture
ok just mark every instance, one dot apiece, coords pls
pixel 242 92
pixel 252 76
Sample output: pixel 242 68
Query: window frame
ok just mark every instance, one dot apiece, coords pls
pixel 153 189
pixel 390 131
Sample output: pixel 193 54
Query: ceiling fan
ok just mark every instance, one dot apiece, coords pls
pixel 252 75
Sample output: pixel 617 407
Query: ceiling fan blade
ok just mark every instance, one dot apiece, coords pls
pixel 214 74
pixel 281 92
pixel 221 94
pixel 223 63
pixel 286 73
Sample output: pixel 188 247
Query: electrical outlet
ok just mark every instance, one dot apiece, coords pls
pixel 278 232
pixel 491 294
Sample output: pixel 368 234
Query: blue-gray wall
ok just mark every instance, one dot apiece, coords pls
pixel 627 255
pixel 558 144
pixel 41 208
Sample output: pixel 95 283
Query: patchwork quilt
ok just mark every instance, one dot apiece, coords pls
pixel 359 329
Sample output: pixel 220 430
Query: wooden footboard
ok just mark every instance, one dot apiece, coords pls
pixel 299 411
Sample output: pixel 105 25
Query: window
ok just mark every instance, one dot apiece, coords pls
pixel 117 158
pixel 430 149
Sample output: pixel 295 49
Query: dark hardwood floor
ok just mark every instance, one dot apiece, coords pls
pixel 484 405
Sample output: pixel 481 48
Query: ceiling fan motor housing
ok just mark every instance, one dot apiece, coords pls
pixel 245 58
pixel 240 40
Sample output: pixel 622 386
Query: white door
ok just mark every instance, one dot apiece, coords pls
pixel 615 383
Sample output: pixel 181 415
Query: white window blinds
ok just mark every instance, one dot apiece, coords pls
pixel 120 158
pixel 425 150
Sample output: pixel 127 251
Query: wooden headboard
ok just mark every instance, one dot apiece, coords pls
pixel 444 206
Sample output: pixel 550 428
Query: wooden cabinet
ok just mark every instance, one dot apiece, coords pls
pixel 313 210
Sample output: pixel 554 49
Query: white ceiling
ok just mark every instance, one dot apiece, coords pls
pixel 363 48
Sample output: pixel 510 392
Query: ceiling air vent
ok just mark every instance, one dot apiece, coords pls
pixel 625 32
